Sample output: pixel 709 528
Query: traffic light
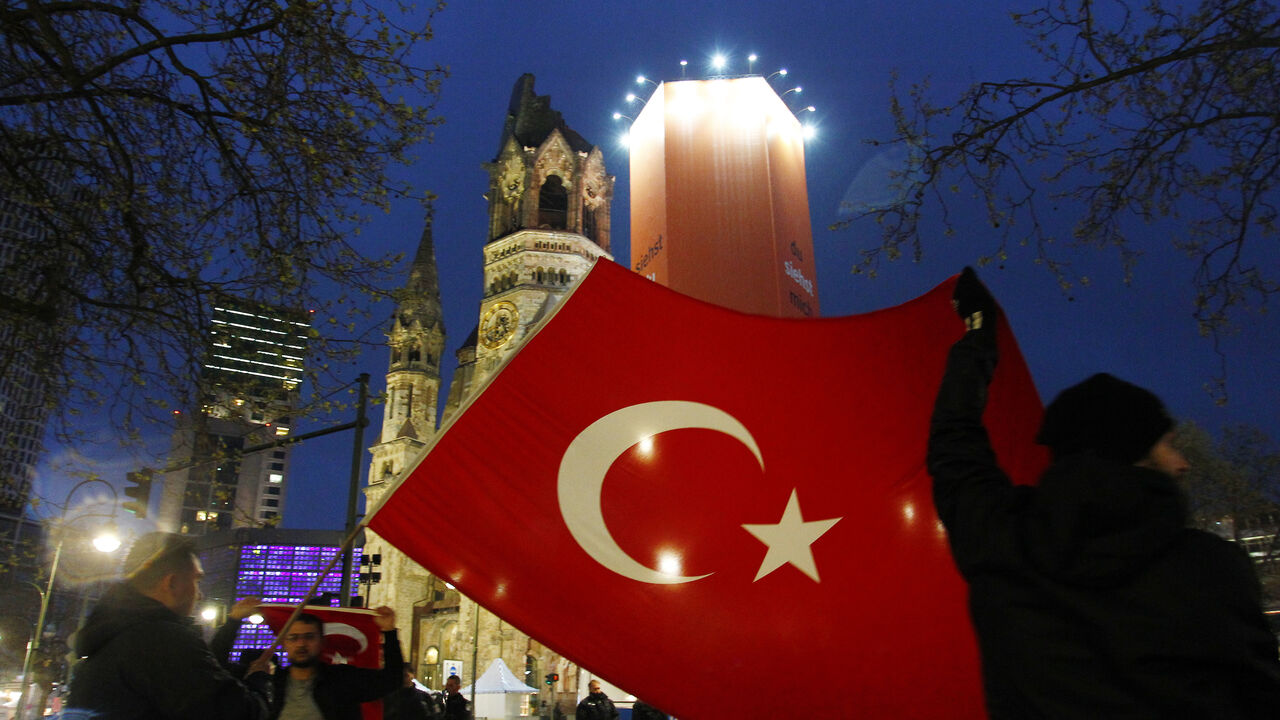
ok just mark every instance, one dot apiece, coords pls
pixel 552 678
pixel 138 488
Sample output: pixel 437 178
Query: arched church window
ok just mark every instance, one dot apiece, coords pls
pixel 537 276
pixel 589 224
pixel 430 670
pixel 564 278
pixel 387 470
pixel 553 203
pixel 395 355
pixel 415 353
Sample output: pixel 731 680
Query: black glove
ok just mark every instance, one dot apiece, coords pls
pixel 973 303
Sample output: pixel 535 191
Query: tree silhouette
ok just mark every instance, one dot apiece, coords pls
pixel 1154 113
pixel 158 154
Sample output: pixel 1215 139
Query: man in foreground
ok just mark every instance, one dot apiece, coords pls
pixel 144 658
pixel 1088 595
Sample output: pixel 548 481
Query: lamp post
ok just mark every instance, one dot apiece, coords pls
pixel 106 541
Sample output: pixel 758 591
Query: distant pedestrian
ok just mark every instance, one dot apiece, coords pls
pixel 1089 595
pixel 410 703
pixel 144 658
pixel 456 706
pixel 596 705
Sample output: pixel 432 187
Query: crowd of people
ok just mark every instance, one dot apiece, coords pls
pixel 144 659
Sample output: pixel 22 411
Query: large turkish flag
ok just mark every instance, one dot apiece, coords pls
pixel 726 515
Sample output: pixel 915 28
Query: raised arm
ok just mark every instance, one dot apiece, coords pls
pixel 972 495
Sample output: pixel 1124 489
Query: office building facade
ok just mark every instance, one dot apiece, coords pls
pixel 230 474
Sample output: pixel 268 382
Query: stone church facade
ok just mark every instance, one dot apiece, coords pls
pixel 549 208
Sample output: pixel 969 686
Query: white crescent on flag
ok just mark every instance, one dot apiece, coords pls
pixel 345 630
pixel 594 450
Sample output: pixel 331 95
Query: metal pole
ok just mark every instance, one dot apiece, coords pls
pixel 475 659
pixel 353 491
pixel 34 645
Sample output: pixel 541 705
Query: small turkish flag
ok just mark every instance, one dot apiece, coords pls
pixel 723 503
pixel 351 637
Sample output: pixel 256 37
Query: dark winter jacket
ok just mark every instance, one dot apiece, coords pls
pixel 410 703
pixel 340 689
pixel 456 707
pixel 596 706
pixel 1088 595
pixel 143 661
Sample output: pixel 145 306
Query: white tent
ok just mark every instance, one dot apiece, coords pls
pixel 498 693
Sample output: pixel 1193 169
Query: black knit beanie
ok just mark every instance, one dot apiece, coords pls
pixel 1115 419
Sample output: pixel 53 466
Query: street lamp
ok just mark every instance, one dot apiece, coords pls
pixel 106 541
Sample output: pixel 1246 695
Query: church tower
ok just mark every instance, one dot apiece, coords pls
pixel 416 341
pixel 416 344
pixel 549 201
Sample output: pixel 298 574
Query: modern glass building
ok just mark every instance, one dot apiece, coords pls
pixel 279 566
pixel 252 369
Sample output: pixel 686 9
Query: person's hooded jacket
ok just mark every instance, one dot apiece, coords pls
pixel 1088 595
pixel 143 661
pixel 596 706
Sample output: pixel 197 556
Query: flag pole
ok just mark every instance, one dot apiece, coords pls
pixel 357 454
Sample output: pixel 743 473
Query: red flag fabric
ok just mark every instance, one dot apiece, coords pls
pixel 726 515
pixel 351 637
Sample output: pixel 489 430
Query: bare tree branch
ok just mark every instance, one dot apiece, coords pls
pixel 162 153
pixel 1146 113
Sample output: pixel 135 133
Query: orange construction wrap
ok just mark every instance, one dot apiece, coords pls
pixel 719 205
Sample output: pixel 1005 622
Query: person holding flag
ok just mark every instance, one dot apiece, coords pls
pixel 1089 596
pixel 312 689
pixel 335 671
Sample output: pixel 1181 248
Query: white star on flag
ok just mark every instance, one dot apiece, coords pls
pixel 790 539
pixel 339 659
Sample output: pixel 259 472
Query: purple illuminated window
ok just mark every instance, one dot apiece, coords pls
pixel 284 574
